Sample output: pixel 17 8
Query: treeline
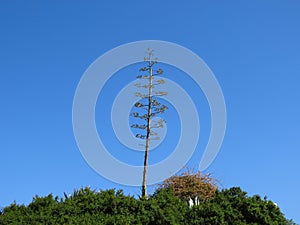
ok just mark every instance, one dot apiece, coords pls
pixel 85 206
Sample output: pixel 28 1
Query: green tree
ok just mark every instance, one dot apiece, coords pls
pixel 86 206
pixel 151 106
pixel 234 207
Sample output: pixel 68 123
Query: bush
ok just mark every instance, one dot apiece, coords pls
pixel 85 206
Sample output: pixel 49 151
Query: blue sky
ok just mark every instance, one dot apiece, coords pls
pixel 251 46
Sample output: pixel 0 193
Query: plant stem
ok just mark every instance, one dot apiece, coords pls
pixel 144 184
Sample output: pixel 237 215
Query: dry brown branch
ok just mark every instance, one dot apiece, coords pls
pixel 189 185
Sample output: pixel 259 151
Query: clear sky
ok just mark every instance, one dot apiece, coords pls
pixel 252 47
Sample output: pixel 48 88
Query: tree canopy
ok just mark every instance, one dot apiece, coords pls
pixel 85 206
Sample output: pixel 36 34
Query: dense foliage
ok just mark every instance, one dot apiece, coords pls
pixel 85 206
